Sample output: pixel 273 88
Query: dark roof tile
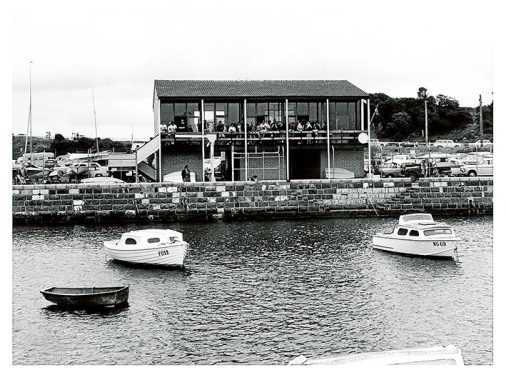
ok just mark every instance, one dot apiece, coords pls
pixel 255 89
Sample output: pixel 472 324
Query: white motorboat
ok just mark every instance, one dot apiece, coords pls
pixel 437 355
pixel 419 235
pixel 163 247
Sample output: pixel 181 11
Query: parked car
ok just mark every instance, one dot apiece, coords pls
pixel 445 143
pixel 392 170
pixel 102 180
pixel 483 167
pixel 486 143
pixel 93 169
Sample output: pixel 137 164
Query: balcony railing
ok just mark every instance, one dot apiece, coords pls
pixel 336 136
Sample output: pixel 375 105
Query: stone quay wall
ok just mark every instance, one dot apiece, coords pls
pixel 144 202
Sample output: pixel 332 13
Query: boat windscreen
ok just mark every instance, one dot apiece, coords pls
pixel 417 217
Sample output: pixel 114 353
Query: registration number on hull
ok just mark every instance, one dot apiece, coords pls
pixel 161 253
pixel 438 243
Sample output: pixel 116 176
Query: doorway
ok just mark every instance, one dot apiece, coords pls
pixel 305 164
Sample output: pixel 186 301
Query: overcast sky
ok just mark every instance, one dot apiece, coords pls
pixel 119 48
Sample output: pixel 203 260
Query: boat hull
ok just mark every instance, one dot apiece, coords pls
pixel 168 255
pixel 433 248
pixel 87 297
pixel 438 355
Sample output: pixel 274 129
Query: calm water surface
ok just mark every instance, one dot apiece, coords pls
pixel 252 293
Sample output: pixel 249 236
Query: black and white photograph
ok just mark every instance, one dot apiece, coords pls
pixel 237 183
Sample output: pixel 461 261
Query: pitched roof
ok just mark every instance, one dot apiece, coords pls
pixel 255 89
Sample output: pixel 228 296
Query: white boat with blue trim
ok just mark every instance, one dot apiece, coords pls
pixel 418 235
pixel 161 247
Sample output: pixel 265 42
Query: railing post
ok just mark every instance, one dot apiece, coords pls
pixel 233 159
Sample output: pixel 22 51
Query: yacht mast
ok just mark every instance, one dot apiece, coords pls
pixel 29 124
pixel 95 117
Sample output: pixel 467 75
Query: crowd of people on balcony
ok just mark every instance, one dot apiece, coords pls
pixel 263 127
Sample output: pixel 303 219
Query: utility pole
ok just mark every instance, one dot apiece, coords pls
pixel 426 125
pixel 481 125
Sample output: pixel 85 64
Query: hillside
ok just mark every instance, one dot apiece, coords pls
pixel 60 145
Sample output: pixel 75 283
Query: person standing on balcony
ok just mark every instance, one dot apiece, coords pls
pixel 163 127
pixel 185 173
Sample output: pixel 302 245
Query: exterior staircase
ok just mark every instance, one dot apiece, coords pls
pixel 147 170
pixel 145 151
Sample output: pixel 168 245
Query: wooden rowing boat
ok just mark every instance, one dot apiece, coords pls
pixel 87 297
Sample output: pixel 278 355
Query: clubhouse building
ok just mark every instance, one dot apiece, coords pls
pixel 265 130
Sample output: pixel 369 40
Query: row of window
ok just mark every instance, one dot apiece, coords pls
pixel 429 232
pixel 342 115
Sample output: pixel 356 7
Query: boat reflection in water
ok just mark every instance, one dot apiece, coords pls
pixel 418 235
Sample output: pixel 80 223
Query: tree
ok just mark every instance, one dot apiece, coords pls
pixel 446 102
pixel 422 93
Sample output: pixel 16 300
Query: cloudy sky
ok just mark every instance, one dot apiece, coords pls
pixel 119 48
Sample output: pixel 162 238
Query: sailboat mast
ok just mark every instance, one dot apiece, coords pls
pixel 29 123
pixel 95 117
pixel 31 150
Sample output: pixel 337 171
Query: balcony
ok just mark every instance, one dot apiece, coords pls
pixel 337 137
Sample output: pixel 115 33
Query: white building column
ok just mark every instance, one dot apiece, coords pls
pixel 287 142
pixel 328 140
pixel 202 110
pixel 245 144
pixel 369 136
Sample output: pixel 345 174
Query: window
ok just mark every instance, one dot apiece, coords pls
pixel 251 110
pixel 180 109
pixel 435 232
pixel 130 241
pixel 313 112
pixel 302 109
pixel 167 112
pixel 153 240
pixel 332 115
pixel 342 116
pixel 402 231
pixel 414 233
pixel 233 113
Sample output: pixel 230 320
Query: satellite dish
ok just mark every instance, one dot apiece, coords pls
pixel 363 138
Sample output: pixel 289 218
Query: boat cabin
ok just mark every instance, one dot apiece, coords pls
pixel 149 238
pixel 421 225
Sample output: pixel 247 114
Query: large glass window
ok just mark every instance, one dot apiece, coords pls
pixel 302 109
pixel 313 112
pixel 233 114
pixel 179 109
pixel 332 115
pixel 167 112
pixel 342 116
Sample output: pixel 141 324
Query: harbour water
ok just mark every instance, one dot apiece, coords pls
pixel 253 293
